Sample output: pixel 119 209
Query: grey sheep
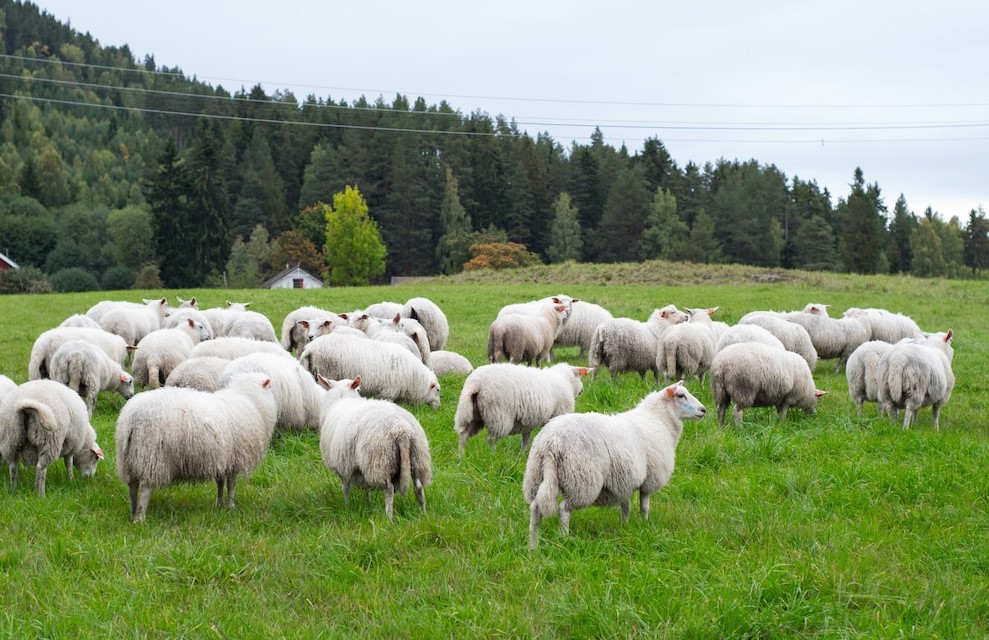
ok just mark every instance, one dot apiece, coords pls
pixel 686 348
pixel 601 459
pixel 159 352
pixel 579 328
pixel 523 337
pixel 87 370
pixel 297 393
pixel 915 374
pixel 373 444
pixel 626 345
pixel 753 374
pixel 862 372
pixel 42 421
pixel 431 317
pixel 831 337
pixel 173 434
pixel 514 399
pixel 47 343
pixel 201 373
pixel 133 324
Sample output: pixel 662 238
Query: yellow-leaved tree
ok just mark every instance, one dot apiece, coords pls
pixel 355 252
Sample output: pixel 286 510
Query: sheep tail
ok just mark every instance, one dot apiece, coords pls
pixel 545 500
pixel 75 378
pixel 45 416
pixel 405 464
pixel 153 373
pixel 671 360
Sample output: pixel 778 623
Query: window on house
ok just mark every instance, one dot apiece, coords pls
pixel 298 283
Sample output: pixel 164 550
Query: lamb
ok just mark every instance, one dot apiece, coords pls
pixel 601 459
pixel 230 348
pixel 753 374
pixel 862 372
pixel 177 317
pixel 389 371
pixel 297 323
pixel 431 317
pixel 747 333
pixel 886 326
pixel 373 444
pixel 794 337
pixel 202 373
pixel 624 344
pixel 80 320
pixel 297 393
pixel 446 363
pixel 917 374
pixel 526 338
pixel 87 370
pixel 48 342
pixel 134 324
pixel 41 421
pixel 511 398
pixel 173 434
pixel 161 351
pixel 579 328
pixel 686 348
pixel 831 337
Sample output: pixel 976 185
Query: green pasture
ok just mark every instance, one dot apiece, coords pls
pixel 831 525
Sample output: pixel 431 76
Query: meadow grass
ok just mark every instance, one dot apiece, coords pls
pixel 831 525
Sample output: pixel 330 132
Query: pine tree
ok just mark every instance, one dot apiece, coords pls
pixel 814 246
pixel 863 231
pixel 901 227
pixel 167 192
pixel 566 242
pixel 619 235
pixel 666 235
pixel 455 225
pixel 928 262
pixel 977 241
pixel 208 159
pixel 704 246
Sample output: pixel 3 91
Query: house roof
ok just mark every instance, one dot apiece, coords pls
pixel 13 265
pixel 292 269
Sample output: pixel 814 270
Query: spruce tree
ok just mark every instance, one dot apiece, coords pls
pixel 566 242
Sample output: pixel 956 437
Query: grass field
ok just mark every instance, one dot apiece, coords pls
pixel 823 526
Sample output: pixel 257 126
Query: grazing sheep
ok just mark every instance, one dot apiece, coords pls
pixel 48 342
pixel 251 324
pixel 180 315
pixel 389 371
pixel 6 386
pixel 230 348
pixel 201 373
pixel 862 372
pixel 297 323
pixel 384 309
pixel 747 333
pixel 87 370
pixel 528 338
pixel 537 307
pixel 221 317
pixel 133 324
pixel 416 332
pixel 753 374
pixel 794 337
pixel 297 393
pixel 161 351
pixel 885 325
pixel 432 319
pixel 42 421
pixel 191 303
pixel 80 320
pixel 175 434
pixel 624 344
pixel 100 309
pixel 599 459
pixel 511 398
pixel 831 337
pixel 445 363
pixel 373 444
pixel 686 348
pixel 579 328
pixel 915 374
pixel 390 330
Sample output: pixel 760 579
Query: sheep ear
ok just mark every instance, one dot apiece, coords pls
pixel 712 310
pixel 97 451
pixel 671 390
pixel 304 323
pixel 124 377
pixel 583 371
pixel 323 382
pixel 397 318
pixel 818 393
pixel 575 300
pixel 356 384
pixel 344 316
pixel 266 384
pixel 948 336
pixel 131 347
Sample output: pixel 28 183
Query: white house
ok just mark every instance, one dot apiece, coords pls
pixel 294 277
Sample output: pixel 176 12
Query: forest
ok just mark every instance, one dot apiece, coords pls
pixel 119 173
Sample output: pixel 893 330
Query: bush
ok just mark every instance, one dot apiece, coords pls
pixel 24 280
pixel 148 277
pixel 118 278
pixel 74 279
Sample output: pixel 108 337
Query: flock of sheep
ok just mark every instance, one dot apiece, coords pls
pixel 218 382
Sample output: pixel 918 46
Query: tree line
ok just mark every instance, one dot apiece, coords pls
pixel 117 173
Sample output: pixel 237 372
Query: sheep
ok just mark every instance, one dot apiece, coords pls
pixel 747 333
pixel 6 386
pixel 885 325
pixel 80 320
pixel 251 324
pixel 686 348
pixel 191 303
pixel 161 351
pixel 100 309
pixel 202 373
pixel 416 332
pixel 753 374
pixel 176 317
pixel 297 323
pixel 915 374
pixel 579 328
pixel 384 309
pixel 41 421
pixel 230 347
pixel 624 344
pixel 296 392
pixel 431 317
pixel 389 371
pixel 220 317
pixel 87 370
pixel 511 398
pixel 536 307
pixel 389 330
pixel 48 342
pixel 862 372
pixel 793 336
pixel 601 459
pixel 831 337
pixel 446 363
pixel 526 338
pixel 173 434
pixel 134 324
pixel 373 444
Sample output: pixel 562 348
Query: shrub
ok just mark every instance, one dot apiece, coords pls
pixel 148 277
pixel 118 278
pixel 74 279
pixel 24 280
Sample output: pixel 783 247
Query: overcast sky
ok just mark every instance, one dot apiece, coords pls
pixel 899 88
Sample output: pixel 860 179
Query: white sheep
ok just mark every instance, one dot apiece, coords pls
pixel 514 399
pixel 686 348
pixel 753 374
pixel 601 459
pixel 201 373
pixel 191 303
pixel 176 317
pixel 747 333
pixel 80 320
pixel 528 338
pixel 862 372
pixel 431 317
pixel 915 374
pixel 297 323
pixel 161 351
pixel 794 337
pixel 100 309
pixel 221 317
pixel 42 421
pixel 831 337
pixel 389 371
pixel 231 347
pixel 445 363
pixel 6 386
pixel 47 343
pixel 373 444
pixel 384 309
pixel 885 325
pixel 387 330
pixel 626 345
pixel 579 328
pixel 87 370
pixel 174 434
pixel 537 307
pixel 133 324
pixel 297 393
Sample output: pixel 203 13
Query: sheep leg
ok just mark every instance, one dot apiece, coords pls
pixel 936 410
pixel 737 415
pixel 781 411
pixel 534 519
pixel 908 415
pixel 219 490
pixel 525 441
pixel 644 504
pixel 626 508
pixel 564 517
pixel 231 489
pixel 420 495
pixel 69 466
pixel 132 488
pixel 346 491
pixel 462 446
pixel 13 474
pixel 143 498
pixel 390 501
pixel 39 479
pixel 721 414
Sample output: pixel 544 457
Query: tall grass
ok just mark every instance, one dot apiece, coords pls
pixel 831 525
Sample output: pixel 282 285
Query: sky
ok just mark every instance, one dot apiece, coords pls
pixel 897 88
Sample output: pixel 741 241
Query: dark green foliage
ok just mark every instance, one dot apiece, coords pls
pixel 619 235
pixel 863 231
pixel 74 279
pixel 901 227
pixel 117 278
pixel 167 191
pixel 567 241
pixel 24 280
pixel 814 247
pixel 977 241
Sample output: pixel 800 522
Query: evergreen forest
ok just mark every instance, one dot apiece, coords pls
pixel 119 173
